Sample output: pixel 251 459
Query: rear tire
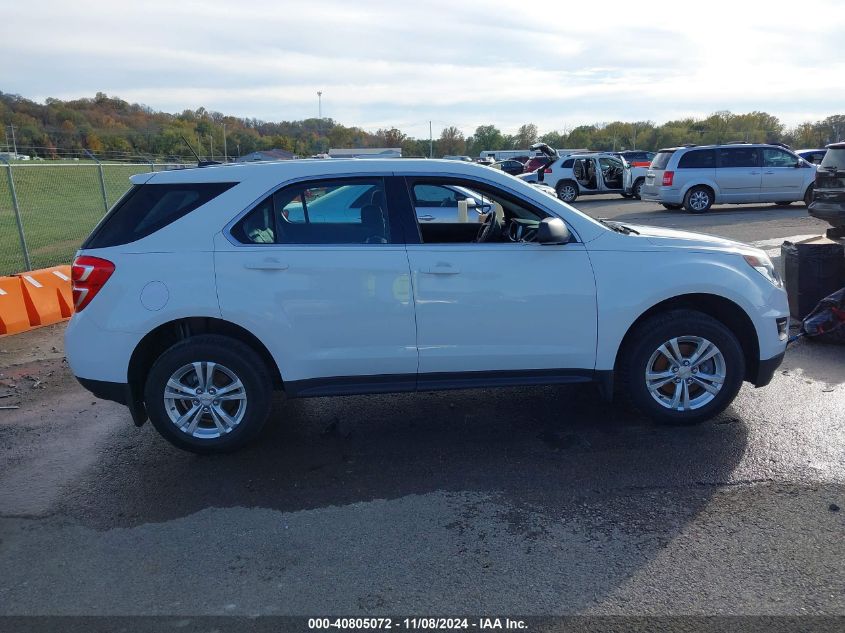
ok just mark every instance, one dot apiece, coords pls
pixel 698 200
pixel 567 190
pixel 808 195
pixel 180 395
pixel 637 189
pixel 673 207
pixel 678 389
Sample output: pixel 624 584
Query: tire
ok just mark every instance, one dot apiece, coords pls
pixel 698 200
pixel 783 203
pixel 567 190
pixel 689 329
pixel 673 207
pixel 637 189
pixel 627 196
pixel 247 408
pixel 808 195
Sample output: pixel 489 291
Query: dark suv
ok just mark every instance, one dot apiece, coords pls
pixel 829 197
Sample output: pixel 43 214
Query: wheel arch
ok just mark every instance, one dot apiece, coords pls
pixel 732 315
pixel 717 194
pixel 151 346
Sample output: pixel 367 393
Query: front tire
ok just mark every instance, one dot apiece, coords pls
pixel 698 200
pixel 637 189
pixel 209 394
pixel 567 190
pixel 681 367
pixel 808 195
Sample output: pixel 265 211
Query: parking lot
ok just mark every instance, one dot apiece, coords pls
pixel 517 501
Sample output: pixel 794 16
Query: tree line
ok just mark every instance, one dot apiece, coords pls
pixel 112 128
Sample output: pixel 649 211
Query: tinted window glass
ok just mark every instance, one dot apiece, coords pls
pixel 834 158
pixel 661 160
pixel 568 163
pixel 147 208
pixel 778 158
pixel 328 212
pixel 700 158
pixel 739 157
pixel 426 195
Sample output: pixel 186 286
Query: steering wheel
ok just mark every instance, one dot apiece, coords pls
pixel 520 233
pixel 490 230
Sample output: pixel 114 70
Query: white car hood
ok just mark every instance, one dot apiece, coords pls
pixel 674 238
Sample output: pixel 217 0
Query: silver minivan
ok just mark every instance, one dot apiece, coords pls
pixel 697 177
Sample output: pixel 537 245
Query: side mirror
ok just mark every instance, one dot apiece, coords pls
pixel 553 231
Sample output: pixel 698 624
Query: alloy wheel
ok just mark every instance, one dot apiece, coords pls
pixel 205 400
pixel 685 373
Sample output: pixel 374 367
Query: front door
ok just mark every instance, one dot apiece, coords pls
pixel 318 272
pixel 782 180
pixel 504 306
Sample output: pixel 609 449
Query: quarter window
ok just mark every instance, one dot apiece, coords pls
pixel 698 159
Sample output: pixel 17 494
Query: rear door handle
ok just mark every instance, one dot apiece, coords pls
pixel 755 173
pixel 268 263
pixel 768 172
pixel 441 269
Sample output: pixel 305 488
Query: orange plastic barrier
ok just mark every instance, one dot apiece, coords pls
pixel 57 277
pixel 13 314
pixel 42 302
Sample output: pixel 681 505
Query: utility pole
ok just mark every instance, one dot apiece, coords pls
pixel 212 143
pixel 430 142
pixel 225 150
pixel 320 115
pixel 14 142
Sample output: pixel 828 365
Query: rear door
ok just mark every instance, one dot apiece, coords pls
pixel 654 175
pixel 784 175
pixel 739 173
pixel 318 272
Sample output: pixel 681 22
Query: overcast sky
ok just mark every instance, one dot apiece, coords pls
pixel 456 62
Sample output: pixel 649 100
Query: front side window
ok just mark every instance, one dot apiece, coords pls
pixel 778 158
pixel 739 157
pixel 349 211
pixel 427 195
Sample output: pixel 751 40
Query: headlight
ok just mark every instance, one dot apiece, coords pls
pixel 763 265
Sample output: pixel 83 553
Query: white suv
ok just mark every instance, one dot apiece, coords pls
pixel 203 290
pixel 590 173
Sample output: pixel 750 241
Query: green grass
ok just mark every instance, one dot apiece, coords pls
pixel 59 205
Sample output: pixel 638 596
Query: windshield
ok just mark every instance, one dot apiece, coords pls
pixel 834 159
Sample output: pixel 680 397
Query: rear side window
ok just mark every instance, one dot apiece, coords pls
pixel 568 163
pixel 661 160
pixel 739 157
pixel 698 159
pixel 148 208
pixel 835 157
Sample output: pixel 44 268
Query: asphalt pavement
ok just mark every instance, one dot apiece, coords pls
pixel 528 501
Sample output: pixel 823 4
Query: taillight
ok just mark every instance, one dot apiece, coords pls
pixel 547 170
pixel 668 177
pixel 88 275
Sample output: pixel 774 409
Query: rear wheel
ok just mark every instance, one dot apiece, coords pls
pixel 567 190
pixel 698 200
pixel 672 207
pixel 808 195
pixel 637 189
pixel 681 367
pixel 208 394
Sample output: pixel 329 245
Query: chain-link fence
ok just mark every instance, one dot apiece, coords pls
pixel 48 209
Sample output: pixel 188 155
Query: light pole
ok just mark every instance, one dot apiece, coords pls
pixel 320 105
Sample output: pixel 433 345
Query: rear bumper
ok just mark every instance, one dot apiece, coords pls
pixel 766 370
pixel 662 194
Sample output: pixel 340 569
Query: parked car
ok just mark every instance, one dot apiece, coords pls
pixel 203 290
pixel 813 156
pixel 465 159
pixel 536 162
pixel 638 158
pixel 697 177
pixel 510 166
pixel 586 174
pixel 829 194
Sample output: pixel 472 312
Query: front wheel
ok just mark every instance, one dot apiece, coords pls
pixel 567 190
pixel 208 394
pixel 637 189
pixel 808 195
pixel 681 367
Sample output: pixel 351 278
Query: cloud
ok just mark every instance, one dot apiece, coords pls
pixel 382 63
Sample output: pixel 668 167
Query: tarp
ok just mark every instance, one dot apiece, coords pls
pixel 827 316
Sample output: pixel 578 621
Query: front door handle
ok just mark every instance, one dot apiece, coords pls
pixel 768 172
pixel 441 269
pixel 425 218
pixel 268 263
pixel 755 173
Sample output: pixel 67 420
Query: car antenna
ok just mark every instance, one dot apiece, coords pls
pixel 200 162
